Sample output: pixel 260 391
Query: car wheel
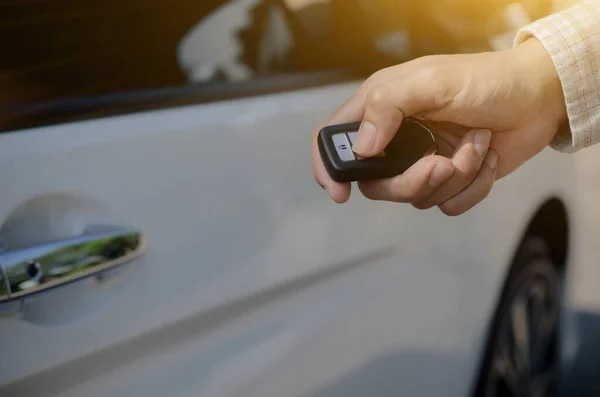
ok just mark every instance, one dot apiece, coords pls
pixel 522 350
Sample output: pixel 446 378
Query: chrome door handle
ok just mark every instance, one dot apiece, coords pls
pixel 29 271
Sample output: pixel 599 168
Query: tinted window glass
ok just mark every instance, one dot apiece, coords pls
pixel 61 49
pixel 60 56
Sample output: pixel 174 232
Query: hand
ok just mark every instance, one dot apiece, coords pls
pixel 490 113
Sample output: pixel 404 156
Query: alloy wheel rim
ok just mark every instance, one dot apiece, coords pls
pixel 523 362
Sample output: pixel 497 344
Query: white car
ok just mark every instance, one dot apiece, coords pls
pixel 225 270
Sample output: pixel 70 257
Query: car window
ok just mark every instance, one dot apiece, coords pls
pixel 64 60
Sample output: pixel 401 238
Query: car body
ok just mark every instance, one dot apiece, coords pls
pixel 253 283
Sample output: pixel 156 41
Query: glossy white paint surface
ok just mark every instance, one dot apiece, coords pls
pixel 254 282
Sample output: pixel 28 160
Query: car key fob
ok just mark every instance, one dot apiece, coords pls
pixel 410 144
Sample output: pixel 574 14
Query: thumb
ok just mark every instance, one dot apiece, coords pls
pixel 387 104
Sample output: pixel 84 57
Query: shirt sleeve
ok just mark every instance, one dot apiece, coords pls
pixel 572 38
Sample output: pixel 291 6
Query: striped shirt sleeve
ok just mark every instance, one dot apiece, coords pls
pixel 572 38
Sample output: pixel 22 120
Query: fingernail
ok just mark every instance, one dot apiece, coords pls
pixel 492 159
pixel 441 173
pixel 365 142
pixel 482 141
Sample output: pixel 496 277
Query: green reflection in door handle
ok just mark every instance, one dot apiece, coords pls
pixel 28 271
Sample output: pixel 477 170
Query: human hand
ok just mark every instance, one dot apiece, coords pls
pixel 489 112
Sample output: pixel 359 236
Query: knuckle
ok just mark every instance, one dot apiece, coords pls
pixel 378 96
pixel 375 77
pixel 381 74
pixel 373 80
pixel 440 95
pixel 459 207
pixel 422 205
pixel 470 171
pixel 364 88
pixel 437 87
pixel 432 75
pixel 452 208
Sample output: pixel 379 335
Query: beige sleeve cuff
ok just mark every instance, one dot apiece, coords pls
pixel 572 38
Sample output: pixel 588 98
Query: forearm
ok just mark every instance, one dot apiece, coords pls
pixel 572 40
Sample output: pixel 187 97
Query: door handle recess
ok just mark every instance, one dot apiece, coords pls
pixel 29 271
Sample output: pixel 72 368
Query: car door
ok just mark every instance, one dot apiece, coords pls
pixel 247 263
pixel 243 279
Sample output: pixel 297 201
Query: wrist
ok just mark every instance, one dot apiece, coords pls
pixel 532 61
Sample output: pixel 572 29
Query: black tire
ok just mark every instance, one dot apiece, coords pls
pixel 522 354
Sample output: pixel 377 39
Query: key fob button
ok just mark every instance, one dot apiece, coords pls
pixel 343 148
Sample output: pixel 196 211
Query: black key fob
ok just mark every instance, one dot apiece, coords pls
pixel 410 144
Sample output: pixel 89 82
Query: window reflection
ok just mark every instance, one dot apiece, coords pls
pixel 75 50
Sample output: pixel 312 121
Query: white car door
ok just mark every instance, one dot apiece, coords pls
pixel 251 281
pixel 247 263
